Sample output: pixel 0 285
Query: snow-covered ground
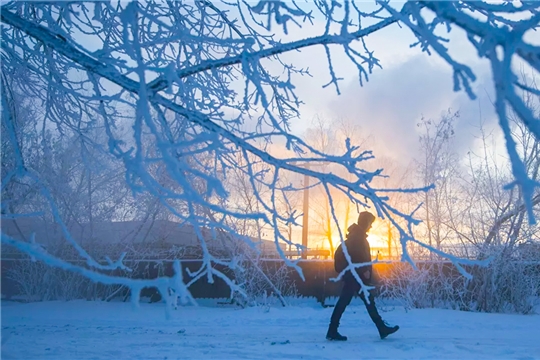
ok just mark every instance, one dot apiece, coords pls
pixel 97 330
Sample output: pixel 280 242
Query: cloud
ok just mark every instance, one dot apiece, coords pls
pixel 392 103
pixel 473 112
pixel 411 84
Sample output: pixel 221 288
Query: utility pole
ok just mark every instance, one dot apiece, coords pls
pixel 389 240
pixel 305 220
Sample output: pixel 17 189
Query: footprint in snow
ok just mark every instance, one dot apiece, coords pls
pixel 280 342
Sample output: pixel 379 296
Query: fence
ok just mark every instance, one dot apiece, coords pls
pixel 317 274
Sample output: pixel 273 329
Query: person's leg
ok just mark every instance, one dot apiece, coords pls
pixel 384 329
pixel 371 308
pixel 347 293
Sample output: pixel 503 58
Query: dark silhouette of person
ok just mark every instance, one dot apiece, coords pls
pixel 359 251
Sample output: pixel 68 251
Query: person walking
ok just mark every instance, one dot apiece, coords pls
pixel 360 252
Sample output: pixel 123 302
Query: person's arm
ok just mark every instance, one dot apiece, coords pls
pixel 358 255
pixel 367 271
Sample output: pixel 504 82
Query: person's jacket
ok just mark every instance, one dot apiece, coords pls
pixel 359 251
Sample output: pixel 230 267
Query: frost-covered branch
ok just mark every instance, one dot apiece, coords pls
pixel 163 284
pixel 498 38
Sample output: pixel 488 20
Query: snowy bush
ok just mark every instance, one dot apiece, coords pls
pixel 271 285
pixel 31 279
pixel 430 286
pixel 37 281
pixel 505 286
pixel 502 286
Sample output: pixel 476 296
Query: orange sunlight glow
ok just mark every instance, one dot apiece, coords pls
pixel 377 238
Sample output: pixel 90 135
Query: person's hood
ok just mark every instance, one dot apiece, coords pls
pixel 353 228
pixel 357 230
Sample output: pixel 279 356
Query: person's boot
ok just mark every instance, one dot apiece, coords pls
pixel 334 335
pixel 385 329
